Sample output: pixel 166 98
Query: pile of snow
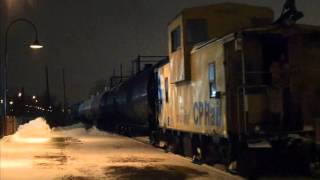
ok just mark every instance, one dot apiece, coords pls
pixel 38 131
pixel 35 131
pixel 34 128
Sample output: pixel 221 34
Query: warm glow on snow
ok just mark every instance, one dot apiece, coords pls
pixel 15 163
pixel 37 152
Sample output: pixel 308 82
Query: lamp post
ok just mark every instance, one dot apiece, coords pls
pixel 34 45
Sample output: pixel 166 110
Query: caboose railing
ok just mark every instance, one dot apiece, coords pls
pixel 242 94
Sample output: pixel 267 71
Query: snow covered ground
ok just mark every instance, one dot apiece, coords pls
pixel 38 152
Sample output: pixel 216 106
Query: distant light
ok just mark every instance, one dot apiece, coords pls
pixel 34 97
pixel 37 100
pixel 11 102
pixel 19 94
pixel 50 107
pixel 1 101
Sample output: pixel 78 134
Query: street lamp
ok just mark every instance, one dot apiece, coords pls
pixel 34 45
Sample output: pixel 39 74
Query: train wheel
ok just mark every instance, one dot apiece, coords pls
pixel 173 143
pixel 154 138
pixel 187 145
pixel 211 153
pixel 127 131
pixel 197 150
pixel 198 156
pixel 225 153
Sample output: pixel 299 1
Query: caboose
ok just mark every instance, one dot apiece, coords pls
pixel 239 89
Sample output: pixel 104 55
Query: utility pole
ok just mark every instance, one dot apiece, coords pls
pixel 121 72
pixel 138 64
pixel 47 88
pixel 1 75
pixel 64 93
pixel 112 78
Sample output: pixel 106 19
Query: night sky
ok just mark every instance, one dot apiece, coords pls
pixel 91 37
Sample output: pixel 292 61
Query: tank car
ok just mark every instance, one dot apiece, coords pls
pixel 134 100
pixel 108 111
pixel 89 110
pixel 96 111
pixel 128 107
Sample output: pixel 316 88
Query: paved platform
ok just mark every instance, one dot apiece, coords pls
pixel 36 152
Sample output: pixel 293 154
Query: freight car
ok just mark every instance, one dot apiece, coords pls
pixel 129 106
pixel 246 96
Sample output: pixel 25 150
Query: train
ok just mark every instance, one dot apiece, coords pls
pixel 127 106
pixel 238 88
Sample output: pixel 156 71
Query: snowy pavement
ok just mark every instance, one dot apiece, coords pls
pixel 37 152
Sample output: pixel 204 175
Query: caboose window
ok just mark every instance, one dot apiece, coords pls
pixel 212 80
pixel 175 39
pixel 166 89
pixel 197 30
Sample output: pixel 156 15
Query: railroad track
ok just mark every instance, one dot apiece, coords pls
pixel 217 169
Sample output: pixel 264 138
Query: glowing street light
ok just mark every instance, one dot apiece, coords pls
pixel 35 45
pixel 34 97
pixel 11 102
pixel 19 94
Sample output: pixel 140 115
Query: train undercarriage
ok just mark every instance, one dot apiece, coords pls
pixel 278 154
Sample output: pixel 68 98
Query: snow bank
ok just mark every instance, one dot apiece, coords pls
pixel 38 131
pixel 34 128
pixel 35 131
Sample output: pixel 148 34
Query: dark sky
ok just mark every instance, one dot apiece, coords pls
pixel 91 37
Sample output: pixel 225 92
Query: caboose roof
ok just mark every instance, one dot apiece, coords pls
pixel 272 29
pixel 227 6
